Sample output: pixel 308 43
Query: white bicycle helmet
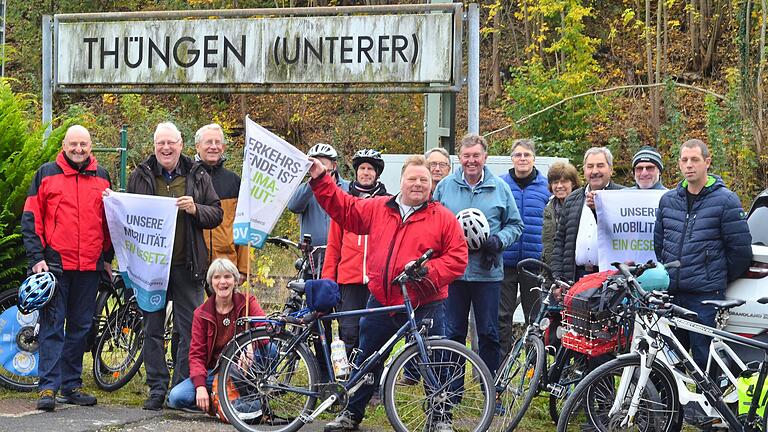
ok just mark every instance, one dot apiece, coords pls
pixel 323 150
pixel 475 226
pixel 36 291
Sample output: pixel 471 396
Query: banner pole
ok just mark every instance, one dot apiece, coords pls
pixel 248 280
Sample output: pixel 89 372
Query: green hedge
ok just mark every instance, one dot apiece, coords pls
pixel 21 154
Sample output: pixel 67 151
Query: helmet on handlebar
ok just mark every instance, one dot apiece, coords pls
pixel 36 291
pixel 475 225
pixel 654 278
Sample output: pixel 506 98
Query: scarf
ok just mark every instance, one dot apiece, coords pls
pixel 360 191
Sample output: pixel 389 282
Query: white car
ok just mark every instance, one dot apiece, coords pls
pixel 751 319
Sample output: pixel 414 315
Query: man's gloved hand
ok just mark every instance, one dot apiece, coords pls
pixel 416 273
pixel 492 245
pixel 490 252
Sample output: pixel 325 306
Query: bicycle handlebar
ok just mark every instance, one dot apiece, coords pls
pixel 410 270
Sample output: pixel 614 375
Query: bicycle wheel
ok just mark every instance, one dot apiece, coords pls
pixel 18 345
pixel 574 369
pixel 265 381
pixel 589 406
pixel 108 301
pixel 118 354
pixel 517 381
pixel 451 392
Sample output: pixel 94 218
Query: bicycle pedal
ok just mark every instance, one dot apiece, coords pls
pixel 556 390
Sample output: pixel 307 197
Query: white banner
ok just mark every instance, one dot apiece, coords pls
pixel 625 221
pixel 142 228
pixel 272 170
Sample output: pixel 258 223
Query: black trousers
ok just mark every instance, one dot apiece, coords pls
pixel 508 303
pixel 187 295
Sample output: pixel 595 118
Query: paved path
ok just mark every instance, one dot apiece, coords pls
pixel 19 415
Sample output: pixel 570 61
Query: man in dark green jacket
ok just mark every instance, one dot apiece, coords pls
pixel 168 173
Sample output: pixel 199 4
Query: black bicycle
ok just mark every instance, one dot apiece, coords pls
pixel 268 371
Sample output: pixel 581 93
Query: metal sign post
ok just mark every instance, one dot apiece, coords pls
pixel 2 37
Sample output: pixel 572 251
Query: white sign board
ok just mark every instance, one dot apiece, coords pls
pixel 397 48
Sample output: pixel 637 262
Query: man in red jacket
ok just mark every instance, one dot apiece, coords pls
pixel 346 255
pixel 65 232
pixel 400 229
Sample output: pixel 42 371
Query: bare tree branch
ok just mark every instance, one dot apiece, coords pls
pixel 607 90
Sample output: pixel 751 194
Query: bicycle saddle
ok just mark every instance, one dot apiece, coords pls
pixel 297 286
pixel 724 304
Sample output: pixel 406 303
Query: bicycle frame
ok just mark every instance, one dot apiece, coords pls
pixel 654 335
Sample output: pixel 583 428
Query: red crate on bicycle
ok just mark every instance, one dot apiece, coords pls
pixel 591 326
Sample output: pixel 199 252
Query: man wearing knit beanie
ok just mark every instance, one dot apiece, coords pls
pixel 647 167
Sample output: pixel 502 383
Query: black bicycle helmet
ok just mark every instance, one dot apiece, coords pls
pixel 371 156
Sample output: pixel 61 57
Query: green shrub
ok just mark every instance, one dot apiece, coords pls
pixel 21 154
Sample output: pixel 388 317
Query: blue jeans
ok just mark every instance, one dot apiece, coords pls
pixel 61 350
pixel 485 297
pixel 184 394
pixel 375 330
pixel 697 343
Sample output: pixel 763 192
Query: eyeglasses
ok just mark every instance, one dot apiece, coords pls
pixel 650 168
pixel 442 165
pixel 166 143
pixel 522 155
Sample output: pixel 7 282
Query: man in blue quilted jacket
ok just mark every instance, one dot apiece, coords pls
pixel 531 192
pixel 701 223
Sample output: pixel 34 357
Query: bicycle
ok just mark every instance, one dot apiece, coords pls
pixel 645 390
pixel 19 332
pixel 522 374
pixel 271 367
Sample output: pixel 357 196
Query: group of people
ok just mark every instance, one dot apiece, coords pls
pixel 65 232
pixel 369 237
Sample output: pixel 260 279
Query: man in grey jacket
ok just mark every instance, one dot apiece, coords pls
pixel 313 220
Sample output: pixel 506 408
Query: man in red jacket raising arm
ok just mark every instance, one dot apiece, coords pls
pixel 400 230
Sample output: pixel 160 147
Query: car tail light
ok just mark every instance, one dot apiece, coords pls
pixel 756 270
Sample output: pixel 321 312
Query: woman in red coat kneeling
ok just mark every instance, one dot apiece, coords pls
pixel 213 326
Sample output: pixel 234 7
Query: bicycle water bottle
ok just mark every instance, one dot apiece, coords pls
pixel 338 354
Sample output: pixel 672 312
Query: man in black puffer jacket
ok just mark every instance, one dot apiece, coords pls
pixel 168 173
pixel 575 251
pixel 702 224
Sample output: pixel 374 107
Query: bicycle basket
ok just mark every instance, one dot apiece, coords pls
pixel 322 295
pixel 590 324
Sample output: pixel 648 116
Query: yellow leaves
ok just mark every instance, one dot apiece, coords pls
pixel 108 99
pixel 627 16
